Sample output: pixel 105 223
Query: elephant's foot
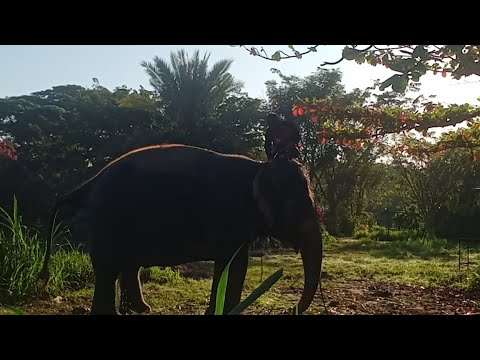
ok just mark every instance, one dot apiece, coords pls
pixel 104 312
pixel 137 307
pixel 210 311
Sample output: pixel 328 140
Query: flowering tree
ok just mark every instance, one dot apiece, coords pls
pixel 355 125
pixel 7 149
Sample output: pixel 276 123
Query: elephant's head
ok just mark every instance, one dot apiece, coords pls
pixel 285 200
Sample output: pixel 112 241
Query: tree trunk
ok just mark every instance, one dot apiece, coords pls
pixel 331 218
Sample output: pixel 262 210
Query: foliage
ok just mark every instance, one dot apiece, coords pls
pixel 352 267
pixel 189 93
pixel 21 259
pixel 421 149
pixel 65 135
pixel 355 125
pixel 410 62
pixel 337 171
pixel 20 256
pixel 7 149
pixel 387 234
pixel 345 174
pixel 161 275
pixel 442 190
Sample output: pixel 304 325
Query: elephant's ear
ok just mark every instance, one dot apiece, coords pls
pixel 263 204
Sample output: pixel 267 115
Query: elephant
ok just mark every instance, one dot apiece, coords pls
pixel 170 204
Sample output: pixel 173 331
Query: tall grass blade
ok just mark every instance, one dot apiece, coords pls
pixel 262 289
pixel 222 286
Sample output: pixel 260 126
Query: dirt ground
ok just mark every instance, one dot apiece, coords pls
pixel 367 297
pixel 361 297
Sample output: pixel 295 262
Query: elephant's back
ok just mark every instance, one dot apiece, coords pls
pixel 173 186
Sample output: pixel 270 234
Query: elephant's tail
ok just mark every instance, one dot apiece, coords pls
pixel 76 198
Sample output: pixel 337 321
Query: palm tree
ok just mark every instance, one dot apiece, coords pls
pixel 188 90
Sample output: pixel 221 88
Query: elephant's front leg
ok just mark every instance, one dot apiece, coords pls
pixel 236 278
pixel 131 298
pixel 104 295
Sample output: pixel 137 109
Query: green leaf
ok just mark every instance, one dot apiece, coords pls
pixel 15 211
pixel 387 82
pixel 276 56
pixel 402 65
pixel 399 84
pixel 421 68
pixel 262 289
pixel 420 52
pixel 350 54
pixel 222 286
pixel 360 60
pixel 416 76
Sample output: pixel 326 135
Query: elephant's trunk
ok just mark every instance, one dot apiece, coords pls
pixel 312 263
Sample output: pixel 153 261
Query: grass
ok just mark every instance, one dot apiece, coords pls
pixel 168 292
pixel 344 261
pixel 382 234
pixel 70 270
pixel 20 257
pixel 431 263
pixel 424 262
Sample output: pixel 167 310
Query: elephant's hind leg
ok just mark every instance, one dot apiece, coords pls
pixel 131 299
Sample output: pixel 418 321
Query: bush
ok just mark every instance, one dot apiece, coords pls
pixel 21 258
pixel 382 234
pixel 70 269
pixel 346 225
pixel 327 238
pixel 160 275
pixel 361 234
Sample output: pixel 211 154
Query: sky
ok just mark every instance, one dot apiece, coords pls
pixel 28 68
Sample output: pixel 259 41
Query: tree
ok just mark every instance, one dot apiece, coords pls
pixel 411 62
pixel 335 168
pixel 357 124
pixel 235 127
pixel 442 192
pixel 63 135
pixel 188 91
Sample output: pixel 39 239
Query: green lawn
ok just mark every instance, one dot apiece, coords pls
pixel 352 268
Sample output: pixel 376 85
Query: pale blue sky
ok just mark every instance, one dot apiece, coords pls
pixel 28 68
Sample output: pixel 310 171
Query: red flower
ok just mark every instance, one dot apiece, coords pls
pixel 7 150
pixel 298 111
